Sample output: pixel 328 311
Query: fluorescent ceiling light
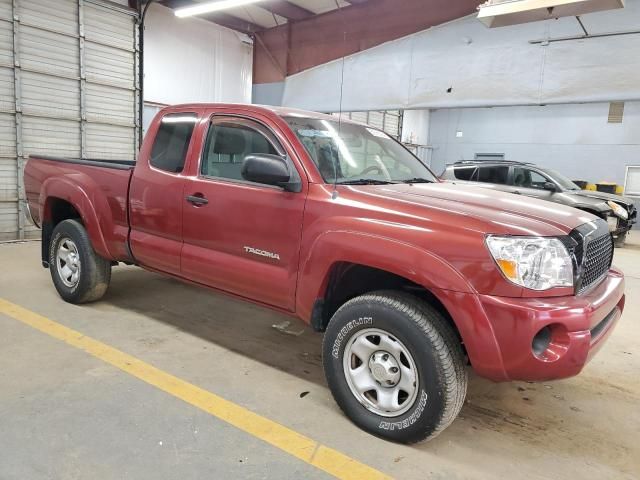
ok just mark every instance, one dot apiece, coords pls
pixel 209 7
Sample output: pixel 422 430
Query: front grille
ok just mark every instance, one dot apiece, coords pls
pixel 597 254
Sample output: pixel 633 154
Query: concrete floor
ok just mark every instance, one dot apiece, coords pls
pixel 67 415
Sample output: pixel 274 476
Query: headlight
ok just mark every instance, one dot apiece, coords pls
pixel 618 210
pixel 537 263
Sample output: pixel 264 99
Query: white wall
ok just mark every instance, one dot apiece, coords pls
pixel 415 127
pixel 573 139
pixel 483 67
pixel 193 60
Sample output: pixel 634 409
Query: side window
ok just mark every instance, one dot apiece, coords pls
pixel 538 180
pixel 464 173
pixel 228 143
pixel 495 174
pixel 172 142
pixel 523 177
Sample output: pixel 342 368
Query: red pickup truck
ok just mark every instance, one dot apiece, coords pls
pixel 338 224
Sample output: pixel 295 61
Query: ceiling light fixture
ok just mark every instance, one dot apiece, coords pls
pixel 209 7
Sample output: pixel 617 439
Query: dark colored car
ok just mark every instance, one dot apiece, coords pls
pixel 410 278
pixel 546 184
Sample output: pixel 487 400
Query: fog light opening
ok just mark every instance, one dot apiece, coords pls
pixel 541 341
pixel 550 343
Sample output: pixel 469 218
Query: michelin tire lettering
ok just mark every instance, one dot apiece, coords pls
pixel 345 330
pixel 407 422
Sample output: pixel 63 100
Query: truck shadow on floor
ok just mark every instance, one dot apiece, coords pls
pixel 244 328
pixel 528 415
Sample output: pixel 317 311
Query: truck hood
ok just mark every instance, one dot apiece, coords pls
pixel 488 211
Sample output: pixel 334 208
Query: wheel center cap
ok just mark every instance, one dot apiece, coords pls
pixel 384 368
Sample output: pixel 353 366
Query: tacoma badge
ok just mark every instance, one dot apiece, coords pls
pixel 262 253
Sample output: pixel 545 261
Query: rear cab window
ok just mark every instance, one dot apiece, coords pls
pixel 172 142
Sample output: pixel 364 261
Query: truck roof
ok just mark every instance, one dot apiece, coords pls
pixel 280 111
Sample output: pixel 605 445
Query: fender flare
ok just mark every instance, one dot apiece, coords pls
pixel 403 259
pixel 416 264
pixel 74 193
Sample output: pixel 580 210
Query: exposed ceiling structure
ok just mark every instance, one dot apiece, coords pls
pixel 266 14
pixel 295 35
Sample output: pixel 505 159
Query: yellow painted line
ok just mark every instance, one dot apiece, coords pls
pixel 304 448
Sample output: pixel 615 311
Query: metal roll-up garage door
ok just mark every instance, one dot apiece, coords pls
pixel 390 121
pixel 68 87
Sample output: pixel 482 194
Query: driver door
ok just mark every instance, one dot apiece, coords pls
pixel 241 237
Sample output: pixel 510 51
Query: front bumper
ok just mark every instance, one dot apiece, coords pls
pixel 501 348
pixel 619 226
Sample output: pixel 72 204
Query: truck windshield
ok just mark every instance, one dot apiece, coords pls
pixel 346 153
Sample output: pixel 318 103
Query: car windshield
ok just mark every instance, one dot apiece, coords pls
pixel 561 180
pixel 346 153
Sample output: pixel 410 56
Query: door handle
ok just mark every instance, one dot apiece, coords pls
pixel 197 200
pixel 517 192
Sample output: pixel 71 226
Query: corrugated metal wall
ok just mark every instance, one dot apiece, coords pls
pixel 68 87
pixel 389 121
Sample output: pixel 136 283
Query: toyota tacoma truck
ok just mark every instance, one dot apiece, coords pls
pixel 336 223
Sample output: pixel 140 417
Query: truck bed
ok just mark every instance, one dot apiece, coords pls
pixel 98 188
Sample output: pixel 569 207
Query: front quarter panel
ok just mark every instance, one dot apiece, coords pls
pixel 384 253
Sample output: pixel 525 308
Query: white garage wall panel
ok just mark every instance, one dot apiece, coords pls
pixel 68 87
pixel 193 60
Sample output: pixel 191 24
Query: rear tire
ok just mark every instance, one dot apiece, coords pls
pixel 78 273
pixel 380 344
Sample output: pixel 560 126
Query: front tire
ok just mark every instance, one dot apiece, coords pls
pixel 78 273
pixel 395 366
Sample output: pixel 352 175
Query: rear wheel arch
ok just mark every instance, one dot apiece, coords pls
pixel 56 208
pixel 79 274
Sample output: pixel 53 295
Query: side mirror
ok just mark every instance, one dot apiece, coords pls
pixel 550 186
pixel 270 170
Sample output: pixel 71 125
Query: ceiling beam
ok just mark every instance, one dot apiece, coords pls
pixel 224 19
pixel 347 31
pixel 286 9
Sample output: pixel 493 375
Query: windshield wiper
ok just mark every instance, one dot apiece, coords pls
pixel 365 181
pixel 418 180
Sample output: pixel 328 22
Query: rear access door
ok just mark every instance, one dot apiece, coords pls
pixel 156 195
